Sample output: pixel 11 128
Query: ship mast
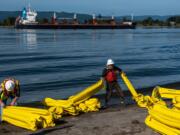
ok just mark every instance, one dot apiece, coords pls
pixel 75 21
pixel 132 17
pixel 113 20
pixel 29 7
pixel 54 15
pixel 94 16
pixel 53 20
pixel 75 16
pixel 112 17
pixel 94 19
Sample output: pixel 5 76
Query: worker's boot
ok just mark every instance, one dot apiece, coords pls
pixel 122 102
pixel 105 105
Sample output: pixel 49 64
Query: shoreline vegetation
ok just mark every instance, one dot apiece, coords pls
pixel 149 22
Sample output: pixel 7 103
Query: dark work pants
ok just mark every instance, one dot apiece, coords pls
pixel 110 86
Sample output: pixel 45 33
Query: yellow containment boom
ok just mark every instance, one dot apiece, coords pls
pixel 28 118
pixel 142 101
pixel 129 85
pixel 80 102
pixel 87 93
pixel 165 92
pixel 161 118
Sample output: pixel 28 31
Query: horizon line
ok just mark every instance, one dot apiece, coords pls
pixel 89 13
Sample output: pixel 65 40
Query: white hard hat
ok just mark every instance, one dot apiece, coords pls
pixel 110 62
pixel 10 85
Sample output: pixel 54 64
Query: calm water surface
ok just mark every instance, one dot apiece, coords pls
pixel 58 63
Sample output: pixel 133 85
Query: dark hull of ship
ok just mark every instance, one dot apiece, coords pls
pixel 75 26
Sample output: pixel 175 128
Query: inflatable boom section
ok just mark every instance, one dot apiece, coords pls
pixel 80 102
pixel 163 119
pixel 28 118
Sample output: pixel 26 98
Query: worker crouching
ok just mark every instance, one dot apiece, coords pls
pixel 9 89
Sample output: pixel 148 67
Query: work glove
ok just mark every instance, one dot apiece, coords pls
pixel 104 83
pixel 2 105
pixel 123 73
pixel 12 103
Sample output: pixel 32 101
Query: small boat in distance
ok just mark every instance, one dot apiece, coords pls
pixel 28 21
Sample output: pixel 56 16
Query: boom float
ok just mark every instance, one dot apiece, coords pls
pixel 161 118
pixel 34 118
pixel 81 102
pixel 29 118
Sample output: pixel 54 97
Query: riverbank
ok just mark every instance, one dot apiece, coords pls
pixel 116 120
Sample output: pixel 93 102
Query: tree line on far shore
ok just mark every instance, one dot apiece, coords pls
pixel 171 21
pixel 8 21
pixel 149 21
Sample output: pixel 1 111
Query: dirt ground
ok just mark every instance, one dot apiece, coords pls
pixel 112 121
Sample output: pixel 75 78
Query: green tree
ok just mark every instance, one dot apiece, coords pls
pixel 174 19
pixel 158 22
pixel 148 21
pixel 124 19
pixel 9 21
pixel 45 20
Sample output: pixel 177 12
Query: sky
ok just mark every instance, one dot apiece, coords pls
pixel 104 7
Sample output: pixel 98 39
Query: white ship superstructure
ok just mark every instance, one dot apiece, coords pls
pixel 28 16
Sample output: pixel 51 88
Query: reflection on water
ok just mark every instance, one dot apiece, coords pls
pixel 30 39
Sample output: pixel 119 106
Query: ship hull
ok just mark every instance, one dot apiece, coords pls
pixel 74 26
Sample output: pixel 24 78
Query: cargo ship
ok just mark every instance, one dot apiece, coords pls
pixel 28 21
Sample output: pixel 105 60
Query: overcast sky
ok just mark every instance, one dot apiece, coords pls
pixel 105 7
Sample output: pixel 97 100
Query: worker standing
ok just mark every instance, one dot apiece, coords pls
pixel 109 77
pixel 9 89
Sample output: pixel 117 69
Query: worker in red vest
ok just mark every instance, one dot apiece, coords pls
pixel 9 89
pixel 109 76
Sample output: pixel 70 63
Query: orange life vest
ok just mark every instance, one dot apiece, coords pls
pixel 111 76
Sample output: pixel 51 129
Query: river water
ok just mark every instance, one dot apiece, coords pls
pixel 59 63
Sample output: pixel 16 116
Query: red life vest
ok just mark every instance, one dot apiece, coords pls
pixel 111 76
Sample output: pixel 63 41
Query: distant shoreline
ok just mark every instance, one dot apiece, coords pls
pixel 138 26
pixel 157 27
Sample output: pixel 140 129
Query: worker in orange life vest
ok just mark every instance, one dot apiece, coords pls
pixel 9 89
pixel 109 76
